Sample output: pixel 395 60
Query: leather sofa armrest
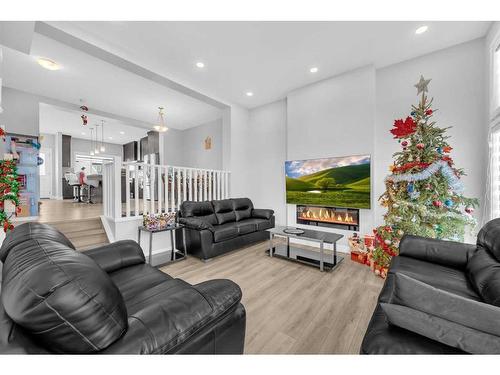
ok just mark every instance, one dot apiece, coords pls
pixel 195 223
pixel 446 253
pixel 117 255
pixel 262 213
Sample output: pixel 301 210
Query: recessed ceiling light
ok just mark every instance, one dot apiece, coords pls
pixel 314 70
pixel 421 30
pixel 200 65
pixel 122 133
pixel 83 133
pixel 48 63
pixel 249 93
pixel 110 137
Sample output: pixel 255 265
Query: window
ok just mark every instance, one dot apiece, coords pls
pixel 496 80
pixel 495 173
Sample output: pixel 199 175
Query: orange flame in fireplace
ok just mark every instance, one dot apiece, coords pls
pixel 327 215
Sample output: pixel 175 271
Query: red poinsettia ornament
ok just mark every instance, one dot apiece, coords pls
pixel 404 128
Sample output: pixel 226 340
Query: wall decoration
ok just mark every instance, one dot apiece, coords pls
pixel 336 181
pixel 208 143
pixel 423 197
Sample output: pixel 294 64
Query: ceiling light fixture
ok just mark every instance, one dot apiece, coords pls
pixel 161 121
pixel 102 136
pixel 421 30
pixel 83 133
pixel 249 93
pixel 110 137
pixel 314 70
pixel 122 133
pixel 96 151
pixel 200 65
pixel 48 63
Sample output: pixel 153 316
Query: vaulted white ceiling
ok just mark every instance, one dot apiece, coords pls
pixel 268 58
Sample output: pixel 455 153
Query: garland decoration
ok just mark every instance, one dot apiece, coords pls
pixel 438 166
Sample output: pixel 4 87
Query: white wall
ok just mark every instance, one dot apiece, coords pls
pixel 334 117
pixel 20 112
pixel 194 151
pixel 265 170
pixel 185 148
pixel 458 87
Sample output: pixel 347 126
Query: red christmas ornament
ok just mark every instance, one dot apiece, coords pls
pixel 447 149
pixel 420 146
pixel 404 143
pixel 388 229
pixel 437 203
pixel 428 112
pixel 469 209
pixel 404 128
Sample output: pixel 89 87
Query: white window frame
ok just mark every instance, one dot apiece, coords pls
pixel 494 127
pixel 494 74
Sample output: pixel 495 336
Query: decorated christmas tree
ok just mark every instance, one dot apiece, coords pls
pixel 9 193
pixel 424 194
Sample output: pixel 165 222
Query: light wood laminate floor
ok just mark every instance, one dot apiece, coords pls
pixel 293 308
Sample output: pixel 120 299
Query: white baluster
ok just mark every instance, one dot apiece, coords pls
pixel 178 188
pixel 152 180
pixel 144 189
pixel 184 185
pixel 160 187
pixel 136 189
pixel 166 189
pixel 205 185
pixel 127 190
pixel 195 183
pixel 172 189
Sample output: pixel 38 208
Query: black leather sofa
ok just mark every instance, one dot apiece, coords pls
pixel 440 297
pixel 107 300
pixel 217 227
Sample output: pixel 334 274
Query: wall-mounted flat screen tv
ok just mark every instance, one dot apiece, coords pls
pixel 336 181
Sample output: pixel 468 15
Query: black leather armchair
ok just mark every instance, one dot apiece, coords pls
pixel 108 301
pixel 217 227
pixel 440 297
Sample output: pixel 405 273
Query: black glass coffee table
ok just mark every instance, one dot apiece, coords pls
pixel 301 255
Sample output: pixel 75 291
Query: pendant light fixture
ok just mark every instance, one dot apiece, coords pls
pixel 96 150
pixel 161 121
pixel 102 137
pixel 92 141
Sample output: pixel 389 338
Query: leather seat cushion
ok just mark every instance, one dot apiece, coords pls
pixel 483 271
pixel 201 210
pixel 384 338
pixel 246 226
pixel 444 278
pixel 261 224
pixel 155 324
pixel 62 297
pixel 133 280
pixel 225 232
pixel 224 211
pixel 242 208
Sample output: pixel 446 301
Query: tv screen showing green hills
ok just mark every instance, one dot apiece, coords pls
pixel 337 181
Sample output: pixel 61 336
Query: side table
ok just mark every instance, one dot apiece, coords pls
pixel 171 229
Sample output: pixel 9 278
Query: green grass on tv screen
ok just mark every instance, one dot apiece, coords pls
pixel 343 186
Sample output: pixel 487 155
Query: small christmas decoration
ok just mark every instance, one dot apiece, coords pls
pixel 469 209
pixel 437 203
pixel 448 203
pixel 420 146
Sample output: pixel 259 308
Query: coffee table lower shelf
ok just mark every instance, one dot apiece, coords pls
pixel 308 257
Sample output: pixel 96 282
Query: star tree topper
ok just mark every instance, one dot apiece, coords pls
pixel 422 85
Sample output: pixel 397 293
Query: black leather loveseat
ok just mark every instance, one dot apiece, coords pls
pixel 216 227
pixel 107 301
pixel 440 297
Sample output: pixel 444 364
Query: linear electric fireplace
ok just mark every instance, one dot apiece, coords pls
pixel 333 217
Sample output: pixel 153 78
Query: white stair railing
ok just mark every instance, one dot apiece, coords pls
pixel 153 188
